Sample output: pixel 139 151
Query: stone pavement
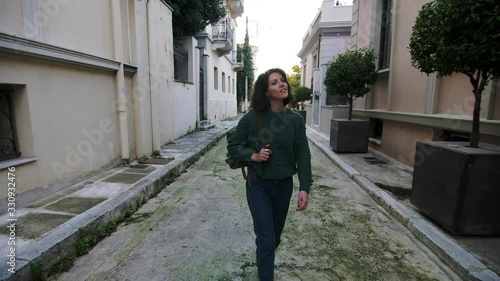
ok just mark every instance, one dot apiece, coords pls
pixel 46 229
pixel 389 183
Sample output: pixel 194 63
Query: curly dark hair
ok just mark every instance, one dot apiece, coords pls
pixel 259 101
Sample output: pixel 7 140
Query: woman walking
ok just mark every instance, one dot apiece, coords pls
pixel 273 140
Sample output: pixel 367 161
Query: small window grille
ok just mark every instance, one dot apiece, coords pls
pixel 9 147
pixel 180 64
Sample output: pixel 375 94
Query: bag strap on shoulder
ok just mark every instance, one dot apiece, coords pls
pixel 261 139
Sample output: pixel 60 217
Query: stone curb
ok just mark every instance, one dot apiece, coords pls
pixel 462 262
pixel 55 245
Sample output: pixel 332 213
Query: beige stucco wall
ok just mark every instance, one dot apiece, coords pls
pixel 71 119
pixel 66 111
pixel 161 72
pixel 129 85
pixel 141 82
pixel 11 20
pixel 79 25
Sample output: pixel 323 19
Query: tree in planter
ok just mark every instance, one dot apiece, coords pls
pixel 459 36
pixel 302 94
pixel 351 74
pixel 452 36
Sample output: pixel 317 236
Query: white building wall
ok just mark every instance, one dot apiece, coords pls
pixel 186 93
pixel 327 36
pixel 333 13
pixel 141 81
pixel 221 102
pixel 185 99
pixel 161 67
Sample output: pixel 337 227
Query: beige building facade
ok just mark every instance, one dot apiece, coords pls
pixel 405 105
pixel 89 85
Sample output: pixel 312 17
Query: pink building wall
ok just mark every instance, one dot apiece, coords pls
pixel 404 91
pixel 408 84
pixel 455 95
pixel 399 140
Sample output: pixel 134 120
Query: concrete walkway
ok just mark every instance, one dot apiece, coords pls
pixel 46 229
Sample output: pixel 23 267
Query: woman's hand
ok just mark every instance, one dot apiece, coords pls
pixel 262 155
pixel 302 201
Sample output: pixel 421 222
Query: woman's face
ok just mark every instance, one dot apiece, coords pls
pixel 277 88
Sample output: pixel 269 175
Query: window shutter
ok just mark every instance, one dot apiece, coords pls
pixel 385 35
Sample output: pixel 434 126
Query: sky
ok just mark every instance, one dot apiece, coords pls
pixel 277 27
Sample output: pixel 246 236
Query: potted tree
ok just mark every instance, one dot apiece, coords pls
pixel 302 94
pixel 351 74
pixel 457 184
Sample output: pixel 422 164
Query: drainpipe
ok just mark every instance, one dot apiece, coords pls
pixel 120 81
pixel 153 96
pixel 205 86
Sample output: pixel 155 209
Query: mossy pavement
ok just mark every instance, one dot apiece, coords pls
pixel 199 228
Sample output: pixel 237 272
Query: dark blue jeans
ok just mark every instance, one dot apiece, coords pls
pixel 268 201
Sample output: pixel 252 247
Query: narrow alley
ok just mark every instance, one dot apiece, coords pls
pixel 199 228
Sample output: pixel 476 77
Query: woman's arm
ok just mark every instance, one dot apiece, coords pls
pixel 303 156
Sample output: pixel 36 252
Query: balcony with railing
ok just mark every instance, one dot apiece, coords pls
pixel 222 34
pixel 237 62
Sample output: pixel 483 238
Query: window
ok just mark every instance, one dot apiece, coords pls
pixel 376 126
pixel 223 81
pixel 8 140
pixel 385 35
pixel 216 78
pixel 229 84
pixel 304 72
pixel 180 64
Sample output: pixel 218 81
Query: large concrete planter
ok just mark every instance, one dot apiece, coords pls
pixel 349 136
pixel 458 186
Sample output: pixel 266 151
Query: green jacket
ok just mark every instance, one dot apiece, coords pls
pixel 285 132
